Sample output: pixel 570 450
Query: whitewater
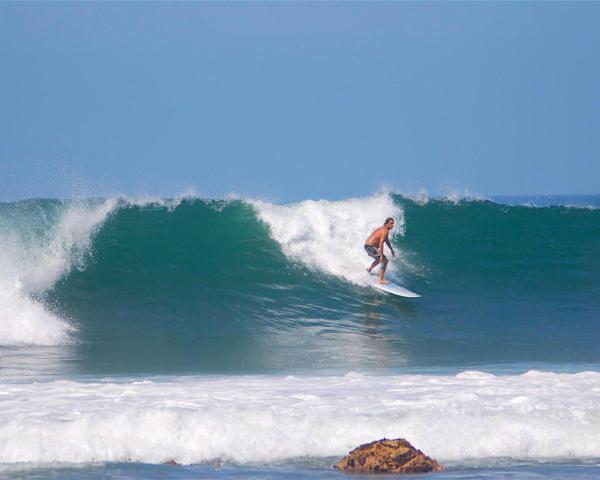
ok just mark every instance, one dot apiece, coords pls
pixel 122 341
pixel 472 415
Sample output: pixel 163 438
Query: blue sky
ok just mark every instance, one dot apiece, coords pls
pixel 287 101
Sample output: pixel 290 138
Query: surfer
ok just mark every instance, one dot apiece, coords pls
pixel 374 247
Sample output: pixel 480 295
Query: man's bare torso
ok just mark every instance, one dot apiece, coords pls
pixel 377 237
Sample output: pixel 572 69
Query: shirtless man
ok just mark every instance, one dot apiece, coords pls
pixel 374 247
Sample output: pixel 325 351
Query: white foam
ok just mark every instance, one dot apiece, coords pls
pixel 329 235
pixel 33 258
pixel 270 418
pixel 24 321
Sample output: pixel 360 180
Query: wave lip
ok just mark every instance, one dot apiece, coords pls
pixel 245 419
pixel 37 248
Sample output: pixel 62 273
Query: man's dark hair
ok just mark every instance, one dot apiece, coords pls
pixel 387 220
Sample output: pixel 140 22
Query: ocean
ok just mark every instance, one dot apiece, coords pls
pixel 240 338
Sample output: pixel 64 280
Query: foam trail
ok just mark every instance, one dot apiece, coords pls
pixel 472 415
pixel 329 236
pixel 35 252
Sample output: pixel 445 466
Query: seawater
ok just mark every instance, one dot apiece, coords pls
pixel 240 338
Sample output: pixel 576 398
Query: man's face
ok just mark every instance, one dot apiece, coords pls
pixel 390 225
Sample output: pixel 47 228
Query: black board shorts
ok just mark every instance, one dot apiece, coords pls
pixel 372 252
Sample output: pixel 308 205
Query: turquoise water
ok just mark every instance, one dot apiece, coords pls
pixel 122 290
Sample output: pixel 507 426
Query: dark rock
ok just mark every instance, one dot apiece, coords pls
pixel 388 456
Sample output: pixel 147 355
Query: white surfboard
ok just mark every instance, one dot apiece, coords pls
pixel 395 289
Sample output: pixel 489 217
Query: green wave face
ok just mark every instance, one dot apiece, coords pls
pixel 212 286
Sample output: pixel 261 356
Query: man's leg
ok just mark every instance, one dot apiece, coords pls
pixel 384 263
pixel 373 265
